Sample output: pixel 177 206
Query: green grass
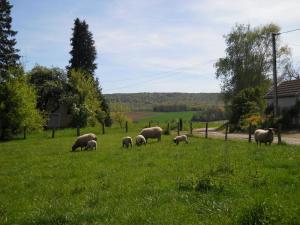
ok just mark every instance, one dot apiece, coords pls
pixel 205 182
pixel 169 116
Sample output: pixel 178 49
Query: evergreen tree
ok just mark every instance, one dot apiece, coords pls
pixel 8 53
pixel 83 53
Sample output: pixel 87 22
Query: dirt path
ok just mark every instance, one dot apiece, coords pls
pixel 293 139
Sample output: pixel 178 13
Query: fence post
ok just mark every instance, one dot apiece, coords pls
pixel 25 129
pixel 250 132
pixel 180 124
pixel 103 129
pixel 206 129
pixel 279 133
pixel 126 126
pixel 191 127
pixel 178 128
pixel 149 123
pixel 78 131
pixel 53 132
pixel 226 131
pixel 168 128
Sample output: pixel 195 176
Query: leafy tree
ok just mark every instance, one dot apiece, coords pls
pixel 18 106
pixel 8 53
pixel 85 98
pixel 247 101
pixel 51 85
pixel 83 53
pixel 248 60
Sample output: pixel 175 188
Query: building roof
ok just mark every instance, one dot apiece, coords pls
pixel 288 88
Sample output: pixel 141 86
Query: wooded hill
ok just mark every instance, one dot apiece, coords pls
pixel 151 101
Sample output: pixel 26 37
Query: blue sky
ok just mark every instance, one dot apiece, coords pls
pixel 147 45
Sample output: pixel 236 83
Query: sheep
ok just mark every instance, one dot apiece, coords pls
pixel 91 145
pixel 180 138
pixel 152 132
pixel 82 141
pixel 264 136
pixel 126 141
pixel 139 140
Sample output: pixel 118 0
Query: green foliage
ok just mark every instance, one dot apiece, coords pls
pixel 18 107
pixel 83 53
pixel 248 59
pixel 85 98
pixel 51 86
pixel 248 101
pixel 9 57
pixel 212 113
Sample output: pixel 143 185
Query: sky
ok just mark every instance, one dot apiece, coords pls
pixel 147 45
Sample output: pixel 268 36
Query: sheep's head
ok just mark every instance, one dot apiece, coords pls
pixel 73 147
pixel 174 140
pixel 271 130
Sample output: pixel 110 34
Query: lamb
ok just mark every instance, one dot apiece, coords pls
pixel 264 136
pixel 91 145
pixel 180 138
pixel 82 141
pixel 139 140
pixel 152 132
pixel 126 141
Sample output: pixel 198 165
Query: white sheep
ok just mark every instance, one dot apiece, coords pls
pixel 92 144
pixel 264 136
pixel 140 139
pixel 82 140
pixel 152 132
pixel 126 141
pixel 180 138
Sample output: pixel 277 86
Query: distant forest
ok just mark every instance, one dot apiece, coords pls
pixel 166 102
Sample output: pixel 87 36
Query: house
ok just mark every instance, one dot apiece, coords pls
pixel 288 93
pixel 61 118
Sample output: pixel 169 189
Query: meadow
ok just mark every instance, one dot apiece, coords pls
pixel 204 182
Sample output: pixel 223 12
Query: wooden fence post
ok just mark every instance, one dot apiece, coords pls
pixel 149 124
pixel 226 131
pixel 250 132
pixel 25 129
pixel 168 128
pixel 126 126
pixel 180 124
pixel 53 132
pixel 279 133
pixel 191 127
pixel 103 128
pixel 206 129
pixel 78 131
pixel 178 128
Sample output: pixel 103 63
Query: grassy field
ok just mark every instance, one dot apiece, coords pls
pixel 204 182
pixel 160 116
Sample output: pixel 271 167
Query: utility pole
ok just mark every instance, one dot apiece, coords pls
pixel 275 100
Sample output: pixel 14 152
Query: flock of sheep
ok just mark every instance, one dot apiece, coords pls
pixel 89 141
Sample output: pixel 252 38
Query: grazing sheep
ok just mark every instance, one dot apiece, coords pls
pixel 126 141
pixel 264 136
pixel 152 132
pixel 91 145
pixel 82 141
pixel 180 138
pixel 139 140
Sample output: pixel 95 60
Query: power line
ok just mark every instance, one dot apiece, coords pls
pixel 289 31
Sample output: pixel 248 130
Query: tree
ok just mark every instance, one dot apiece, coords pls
pixel 18 106
pixel 51 85
pixel 8 53
pixel 83 53
pixel 248 60
pixel 84 97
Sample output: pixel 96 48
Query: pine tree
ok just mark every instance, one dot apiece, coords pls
pixel 83 53
pixel 8 53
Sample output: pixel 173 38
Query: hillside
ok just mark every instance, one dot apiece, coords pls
pixel 146 101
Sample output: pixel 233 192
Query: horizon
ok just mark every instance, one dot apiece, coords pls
pixel 145 46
